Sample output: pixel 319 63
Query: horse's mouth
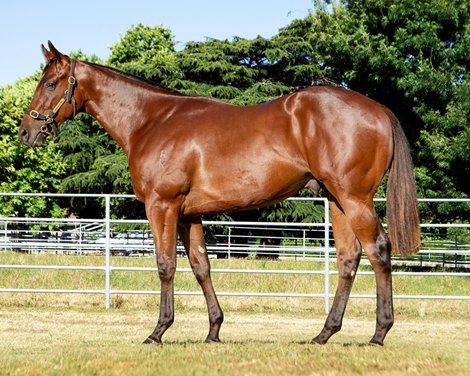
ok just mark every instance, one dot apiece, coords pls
pixel 39 139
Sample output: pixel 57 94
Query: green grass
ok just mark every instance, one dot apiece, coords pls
pixel 56 334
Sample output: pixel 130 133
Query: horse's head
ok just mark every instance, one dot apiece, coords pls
pixel 53 102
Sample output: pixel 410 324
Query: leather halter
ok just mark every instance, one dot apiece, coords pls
pixel 49 127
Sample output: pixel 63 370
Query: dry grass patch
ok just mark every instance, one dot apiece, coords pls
pixel 71 334
pixel 72 342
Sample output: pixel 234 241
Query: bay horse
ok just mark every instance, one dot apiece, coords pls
pixel 190 156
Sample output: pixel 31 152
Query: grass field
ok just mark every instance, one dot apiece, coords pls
pixel 71 334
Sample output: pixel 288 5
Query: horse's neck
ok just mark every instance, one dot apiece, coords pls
pixel 116 101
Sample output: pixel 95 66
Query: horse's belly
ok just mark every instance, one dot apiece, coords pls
pixel 232 193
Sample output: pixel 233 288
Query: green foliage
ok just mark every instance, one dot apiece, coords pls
pixel 95 164
pixel 413 57
pixel 24 169
pixel 459 235
pixel 147 52
pixel 295 211
pixel 237 71
pixel 410 55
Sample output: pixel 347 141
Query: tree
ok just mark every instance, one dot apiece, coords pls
pixel 147 52
pixel 236 71
pixel 24 169
pixel 411 56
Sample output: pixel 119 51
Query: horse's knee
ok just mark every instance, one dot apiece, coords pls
pixel 166 270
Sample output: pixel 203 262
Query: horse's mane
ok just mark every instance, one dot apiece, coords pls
pixel 134 78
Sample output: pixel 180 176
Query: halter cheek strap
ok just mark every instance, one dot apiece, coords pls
pixel 49 127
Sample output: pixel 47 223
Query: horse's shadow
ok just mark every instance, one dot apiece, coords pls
pixel 192 342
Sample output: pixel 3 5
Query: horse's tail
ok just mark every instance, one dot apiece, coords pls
pixel 402 200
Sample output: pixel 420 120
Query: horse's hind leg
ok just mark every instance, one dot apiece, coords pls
pixel 379 256
pixel 369 231
pixel 192 236
pixel 348 254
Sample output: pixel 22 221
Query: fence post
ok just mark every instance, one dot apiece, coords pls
pixel 304 242
pixel 327 256
pixel 229 240
pixel 108 251
pixel 5 238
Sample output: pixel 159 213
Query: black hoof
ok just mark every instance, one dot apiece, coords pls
pixel 213 340
pixel 318 341
pixel 151 342
pixel 376 343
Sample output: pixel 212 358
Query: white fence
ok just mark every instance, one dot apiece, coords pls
pixel 299 240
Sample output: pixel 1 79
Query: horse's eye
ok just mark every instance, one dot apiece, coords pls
pixel 50 85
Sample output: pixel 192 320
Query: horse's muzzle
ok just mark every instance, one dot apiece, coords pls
pixel 30 138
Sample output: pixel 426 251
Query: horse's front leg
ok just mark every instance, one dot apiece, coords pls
pixel 192 236
pixel 163 220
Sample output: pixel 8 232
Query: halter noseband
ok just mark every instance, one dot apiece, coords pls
pixel 49 127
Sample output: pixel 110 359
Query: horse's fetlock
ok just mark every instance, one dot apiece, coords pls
pixel 166 322
pixel 333 326
pixel 218 318
pixel 386 322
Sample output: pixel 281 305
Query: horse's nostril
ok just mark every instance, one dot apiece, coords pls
pixel 23 134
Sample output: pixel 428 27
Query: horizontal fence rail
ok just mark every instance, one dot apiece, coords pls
pixel 105 236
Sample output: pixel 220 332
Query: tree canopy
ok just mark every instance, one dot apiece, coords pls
pixel 411 56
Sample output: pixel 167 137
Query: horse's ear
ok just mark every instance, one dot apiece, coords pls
pixel 54 50
pixel 52 53
pixel 47 54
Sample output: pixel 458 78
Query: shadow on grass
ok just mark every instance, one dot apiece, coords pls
pixel 192 342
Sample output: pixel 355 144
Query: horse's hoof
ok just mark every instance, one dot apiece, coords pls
pixel 151 342
pixel 375 343
pixel 317 341
pixel 213 340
